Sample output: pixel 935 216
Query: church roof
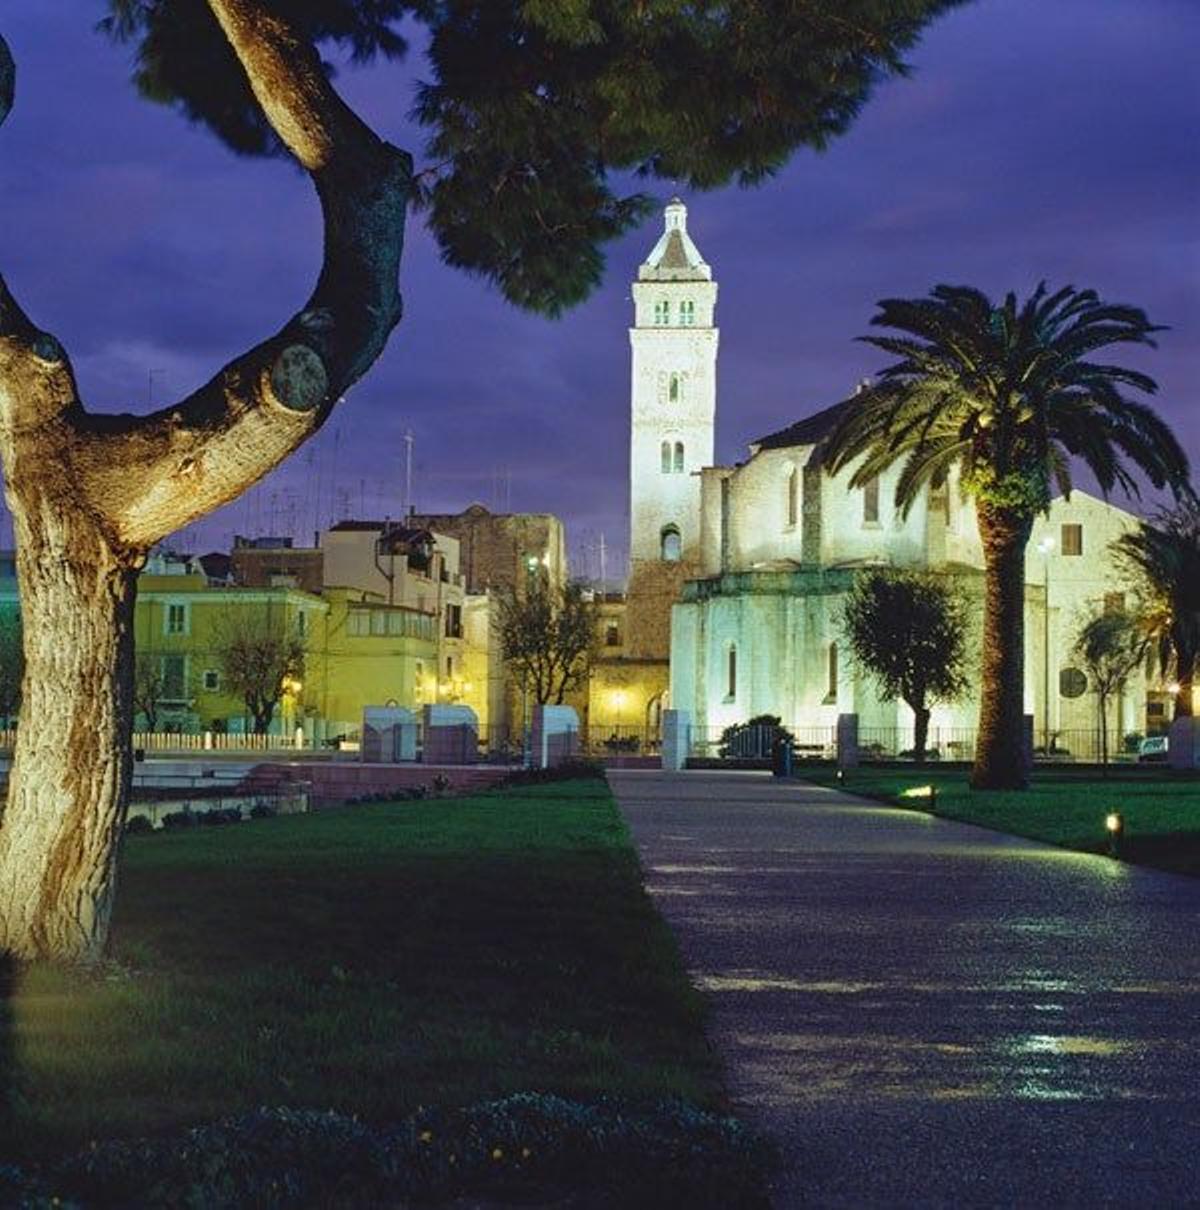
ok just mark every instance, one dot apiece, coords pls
pixel 812 430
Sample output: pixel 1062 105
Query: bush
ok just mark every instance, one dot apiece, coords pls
pixel 135 824
pixel 523 1146
pixel 441 783
pixel 754 739
pixel 180 819
pixel 220 815
pixel 262 810
pixel 571 771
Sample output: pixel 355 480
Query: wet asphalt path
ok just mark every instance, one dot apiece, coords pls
pixel 924 1013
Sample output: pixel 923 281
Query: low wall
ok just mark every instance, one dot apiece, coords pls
pixel 333 783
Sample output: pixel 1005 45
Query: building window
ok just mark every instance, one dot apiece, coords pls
pixel 671 547
pixel 731 674
pixel 675 388
pixel 449 667
pixel 662 313
pixel 358 623
pixel 1072 539
pixel 791 502
pixel 679 457
pixel 1114 602
pixel 831 673
pixel 174 678
pixel 212 680
pixel 871 501
pixel 176 619
pixel 454 621
pixel 687 313
pixel 379 622
pixel 302 623
pixel 612 635
pixel 666 457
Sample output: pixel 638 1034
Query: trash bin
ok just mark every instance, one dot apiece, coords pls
pixel 781 757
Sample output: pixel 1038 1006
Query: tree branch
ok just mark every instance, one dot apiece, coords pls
pixel 144 477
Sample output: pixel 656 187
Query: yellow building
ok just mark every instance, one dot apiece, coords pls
pixel 365 652
pixel 181 623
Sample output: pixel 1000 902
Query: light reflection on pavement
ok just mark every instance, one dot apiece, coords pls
pixel 927 1013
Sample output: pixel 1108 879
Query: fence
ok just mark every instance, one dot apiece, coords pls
pixel 746 742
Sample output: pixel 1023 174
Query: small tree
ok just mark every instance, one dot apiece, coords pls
pixel 12 666
pixel 259 656
pixel 548 637
pixel 907 630
pixel 148 686
pixel 1111 646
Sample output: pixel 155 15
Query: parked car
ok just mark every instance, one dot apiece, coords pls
pixel 1153 747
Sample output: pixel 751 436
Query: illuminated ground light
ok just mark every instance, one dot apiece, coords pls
pixel 1114 825
pixel 926 794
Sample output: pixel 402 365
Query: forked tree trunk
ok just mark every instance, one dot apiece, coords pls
pixel 89 495
pixel 1000 750
pixel 69 783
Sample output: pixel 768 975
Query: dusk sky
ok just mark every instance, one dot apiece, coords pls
pixel 1036 138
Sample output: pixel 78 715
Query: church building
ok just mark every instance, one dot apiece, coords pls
pixel 738 574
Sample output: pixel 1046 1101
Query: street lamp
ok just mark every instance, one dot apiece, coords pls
pixel 1046 545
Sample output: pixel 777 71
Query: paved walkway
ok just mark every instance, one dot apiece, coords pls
pixel 926 1013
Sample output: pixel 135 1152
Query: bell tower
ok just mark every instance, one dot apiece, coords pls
pixel 673 396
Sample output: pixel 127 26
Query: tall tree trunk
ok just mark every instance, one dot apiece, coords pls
pixel 1185 659
pixel 920 732
pixel 69 783
pixel 1000 750
pixel 90 494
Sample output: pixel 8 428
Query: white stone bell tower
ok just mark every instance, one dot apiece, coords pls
pixel 674 395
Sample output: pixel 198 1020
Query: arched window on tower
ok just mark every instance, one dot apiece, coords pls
pixel 662 313
pixel 679 457
pixel 675 388
pixel 731 673
pixel 831 687
pixel 670 545
pixel 687 313
pixel 666 457
pixel 791 500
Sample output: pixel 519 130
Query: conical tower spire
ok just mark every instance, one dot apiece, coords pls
pixel 675 257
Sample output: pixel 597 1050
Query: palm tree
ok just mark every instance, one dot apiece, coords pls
pixel 1163 560
pixel 1009 394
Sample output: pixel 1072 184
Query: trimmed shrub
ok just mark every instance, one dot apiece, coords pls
pixel 262 810
pixel 573 770
pixel 180 819
pixel 137 823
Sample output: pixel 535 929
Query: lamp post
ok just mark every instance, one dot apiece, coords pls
pixel 1046 545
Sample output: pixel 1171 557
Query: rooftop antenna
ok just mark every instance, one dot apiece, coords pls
pixel 334 491
pixel 603 563
pixel 409 504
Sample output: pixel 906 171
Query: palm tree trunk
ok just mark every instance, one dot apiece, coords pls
pixel 1000 760
pixel 69 783
pixel 1185 660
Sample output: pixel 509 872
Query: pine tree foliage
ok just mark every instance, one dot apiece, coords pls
pixel 540 114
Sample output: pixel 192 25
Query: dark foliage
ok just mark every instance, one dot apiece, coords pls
pixel 526 1145
pixel 570 771
pixel 537 111
pixel 754 739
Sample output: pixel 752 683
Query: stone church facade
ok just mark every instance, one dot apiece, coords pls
pixel 738 574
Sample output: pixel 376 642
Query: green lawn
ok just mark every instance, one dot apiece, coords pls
pixel 1161 811
pixel 370 960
